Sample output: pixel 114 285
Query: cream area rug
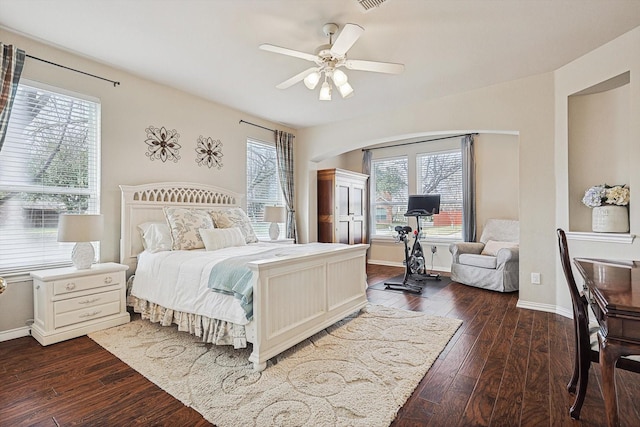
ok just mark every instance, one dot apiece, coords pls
pixel 358 372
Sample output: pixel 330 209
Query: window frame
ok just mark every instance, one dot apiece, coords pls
pixel 412 150
pixel 93 189
pixel 443 201
pixel 261 228
pixel 374 205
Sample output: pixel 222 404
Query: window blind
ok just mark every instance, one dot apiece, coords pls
pixel 48 165
pixel 441 173
pixel 391 194
pixel 263 188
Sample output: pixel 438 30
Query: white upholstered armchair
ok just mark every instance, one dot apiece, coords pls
pixel 493 262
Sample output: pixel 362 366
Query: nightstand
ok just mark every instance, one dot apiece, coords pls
pixel 68 302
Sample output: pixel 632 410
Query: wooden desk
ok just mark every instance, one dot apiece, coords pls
pixel 612 288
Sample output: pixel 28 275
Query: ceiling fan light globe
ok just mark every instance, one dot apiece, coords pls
pixel 339 77
pixel 346 91
pixel 311 81
pixel 325 92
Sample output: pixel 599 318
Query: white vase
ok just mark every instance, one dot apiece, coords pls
pixel 610 219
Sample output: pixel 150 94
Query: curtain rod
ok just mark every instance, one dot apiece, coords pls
pixel 418 142
pixel 258 126
pixel 253 124
pixel 73 69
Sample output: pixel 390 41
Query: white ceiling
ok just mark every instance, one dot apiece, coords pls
pixel 210 47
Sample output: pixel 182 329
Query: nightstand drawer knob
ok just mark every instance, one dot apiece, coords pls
pixel 70 286
pixel 108 280
pixel 89 301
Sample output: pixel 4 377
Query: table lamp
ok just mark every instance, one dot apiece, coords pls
pixel 274 215
pixel 81 229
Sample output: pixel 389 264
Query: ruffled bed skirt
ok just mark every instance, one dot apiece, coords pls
pixel 218 332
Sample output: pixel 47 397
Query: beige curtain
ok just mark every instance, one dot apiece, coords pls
pixel 284 157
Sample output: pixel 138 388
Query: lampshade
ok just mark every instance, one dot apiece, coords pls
pixel 345 90
pixel 275 214
pixel 325 92
pixel 339 77
pixel 80 228
pixel 311 81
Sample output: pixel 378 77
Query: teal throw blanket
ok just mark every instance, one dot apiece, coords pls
pixel 233 277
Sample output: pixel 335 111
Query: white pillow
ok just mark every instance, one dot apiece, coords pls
pixel 492 247
pixel 156 236
pixel 184 225
pixel 235 217
pixel 218 238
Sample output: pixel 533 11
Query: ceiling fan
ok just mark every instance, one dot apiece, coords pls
pixel 329 58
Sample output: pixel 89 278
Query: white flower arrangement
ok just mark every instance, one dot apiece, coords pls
pixel 606 194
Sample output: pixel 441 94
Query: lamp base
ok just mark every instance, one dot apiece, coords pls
pixel 83 255
pixel 274 231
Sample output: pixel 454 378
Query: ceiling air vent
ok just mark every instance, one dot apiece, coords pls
pixel 370 4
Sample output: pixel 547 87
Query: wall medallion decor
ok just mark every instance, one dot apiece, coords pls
pixel 209 152
pixel 163 144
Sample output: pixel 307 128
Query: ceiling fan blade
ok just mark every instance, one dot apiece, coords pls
pixel 295 79
pixel 289 52
pixel 347 37
pixel 378 67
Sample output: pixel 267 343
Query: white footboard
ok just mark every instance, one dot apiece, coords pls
pixel 296 297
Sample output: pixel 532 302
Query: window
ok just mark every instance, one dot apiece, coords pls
pixel 263 186
pixel 414 170
pixel 441 173
pixel 390 194
pixel 48 165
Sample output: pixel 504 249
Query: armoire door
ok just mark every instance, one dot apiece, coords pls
pixel 342 206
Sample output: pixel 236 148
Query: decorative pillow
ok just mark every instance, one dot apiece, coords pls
pixel 218 238
pixel 185 225
pixel 156 236
pixel 235 217
pixel 492 247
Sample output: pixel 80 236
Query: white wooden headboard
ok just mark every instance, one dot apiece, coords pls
pixel 142 203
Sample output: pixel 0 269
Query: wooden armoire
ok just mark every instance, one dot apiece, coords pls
pixel 342 206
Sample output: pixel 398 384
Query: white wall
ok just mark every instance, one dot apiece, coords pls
pixel 127 110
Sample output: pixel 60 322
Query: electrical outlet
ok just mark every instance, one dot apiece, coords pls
pixel 535 278
pixel 434 249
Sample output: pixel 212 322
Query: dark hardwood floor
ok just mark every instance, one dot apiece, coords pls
pixel 505 366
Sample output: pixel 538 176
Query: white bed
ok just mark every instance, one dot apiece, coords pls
pixel 294 295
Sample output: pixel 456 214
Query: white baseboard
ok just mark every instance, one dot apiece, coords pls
pixel 383 262
pixel 548 308
pixel 441 269
pixel 24 331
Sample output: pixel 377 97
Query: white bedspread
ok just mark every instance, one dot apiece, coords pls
pixel 179 279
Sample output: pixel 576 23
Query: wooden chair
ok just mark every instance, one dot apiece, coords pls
pixel 586 338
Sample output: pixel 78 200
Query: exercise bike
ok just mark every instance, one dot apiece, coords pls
pixel 414 261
